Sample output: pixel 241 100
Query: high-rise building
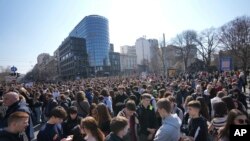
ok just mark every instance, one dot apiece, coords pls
pixel 145 52
pixel 145 49
pixel 142 47
pixel 111 48
pixel 95 29
pixel 73 58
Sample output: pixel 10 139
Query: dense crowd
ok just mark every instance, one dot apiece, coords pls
pixel 195 107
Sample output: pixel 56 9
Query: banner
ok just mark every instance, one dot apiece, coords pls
pixel 171 72
pixel 226 64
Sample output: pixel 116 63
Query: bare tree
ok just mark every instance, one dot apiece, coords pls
pixel 186 43
pixel 235 36
pixel 207 43
pixel 4 71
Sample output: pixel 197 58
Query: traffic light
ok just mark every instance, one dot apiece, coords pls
pixel 13 74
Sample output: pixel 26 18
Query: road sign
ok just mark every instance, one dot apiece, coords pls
pixel 13 68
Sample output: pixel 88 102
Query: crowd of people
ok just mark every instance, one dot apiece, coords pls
pixel 190 107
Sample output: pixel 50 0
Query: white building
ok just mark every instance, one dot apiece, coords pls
pixel 145 50
pixel 128 50
pixel 128 59
pixel 142 47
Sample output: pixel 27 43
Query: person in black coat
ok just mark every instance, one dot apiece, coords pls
pixel 181 96
pixel 147 118
pixel 17 123
pixel 197 127
pixel 237 95
pixel 51 104
pixel 72 121
pixel 119 100
pixel 119 128
pixel 14 104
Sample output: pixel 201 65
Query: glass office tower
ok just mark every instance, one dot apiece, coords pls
pixel 95 30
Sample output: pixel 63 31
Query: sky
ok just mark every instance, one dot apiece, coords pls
pixel 31 27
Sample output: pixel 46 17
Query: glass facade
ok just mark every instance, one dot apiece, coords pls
pixel 95 30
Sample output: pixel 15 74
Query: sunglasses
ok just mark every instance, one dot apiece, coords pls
pixel 242 121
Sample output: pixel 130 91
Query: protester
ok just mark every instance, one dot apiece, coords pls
pixel 147 118
pixel 204 108
pixel 37 108
pixel 107 100
pixel 181 96
pixel 235 117
pixel 82 104
pixel 14 104
pixel 119 100
pixel 216 99
pixel 219 119
pixel 93 111
pixel 51 104
pixel 17 124
pixel 119 128
pixel 197 127
pixel 103 118
pixel 174 108
pixel 129 112
pixel 90 127
pixel 52 130
pixel 125 90
pixel 71 122
pixel 170 128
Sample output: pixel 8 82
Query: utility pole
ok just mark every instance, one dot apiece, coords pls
pixel 143 54
pixel 143 61
pixel 163 55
